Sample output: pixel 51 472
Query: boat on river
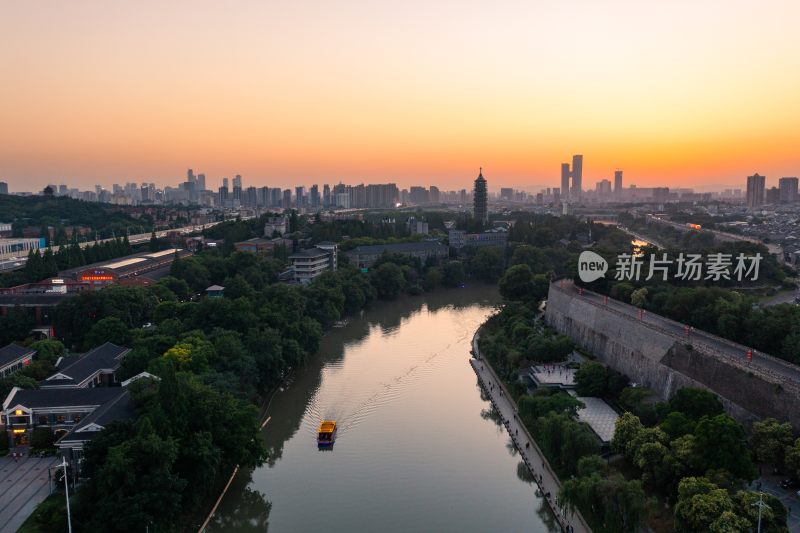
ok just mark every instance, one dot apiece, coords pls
pixel 326 435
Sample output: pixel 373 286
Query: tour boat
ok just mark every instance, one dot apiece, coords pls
pixel 326 435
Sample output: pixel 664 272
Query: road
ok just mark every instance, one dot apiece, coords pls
pixel 783 297
pixel 546 478
pixel 635 235
pixel 144 237
pixel 7 265
pixel 770 484
pixel 726 348
pixel 23 485
pixel 723 236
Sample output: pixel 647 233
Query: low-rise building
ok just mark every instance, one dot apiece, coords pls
pixel 107 273
pixel 279 225
pixel 71 443
pixel 365 256
pixel 215 291
pixel 20 247
pixel 333 250
pixel 417 227
pixel 309 263
pixel 13 358
pixel 256 245
pixel 56 409
pixel 461 239
pixel 96 368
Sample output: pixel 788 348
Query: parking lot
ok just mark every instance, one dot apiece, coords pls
pixel 23 484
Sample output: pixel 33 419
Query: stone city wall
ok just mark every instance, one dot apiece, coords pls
pixel 665 362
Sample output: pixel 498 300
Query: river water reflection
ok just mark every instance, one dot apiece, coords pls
pixel 418 448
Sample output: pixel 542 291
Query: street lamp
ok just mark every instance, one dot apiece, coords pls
pixel 761 505
pixel 66 492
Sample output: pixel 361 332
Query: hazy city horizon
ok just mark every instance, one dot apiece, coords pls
pixel 495 182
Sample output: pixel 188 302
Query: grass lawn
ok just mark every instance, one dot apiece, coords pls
pixel 48 517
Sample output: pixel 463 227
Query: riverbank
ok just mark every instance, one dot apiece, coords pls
pixel 264 418
pixel 535 460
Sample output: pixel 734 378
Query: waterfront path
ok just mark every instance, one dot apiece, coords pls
pixel 545 476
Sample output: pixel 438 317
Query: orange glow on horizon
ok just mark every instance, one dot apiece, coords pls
pixel 685 94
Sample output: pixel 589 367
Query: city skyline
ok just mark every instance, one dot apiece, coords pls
pixel 229 181
pixel 672 94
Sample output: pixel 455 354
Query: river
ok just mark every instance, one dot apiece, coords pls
pixel 418 446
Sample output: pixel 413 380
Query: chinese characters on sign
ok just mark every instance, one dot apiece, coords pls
pixel 689 267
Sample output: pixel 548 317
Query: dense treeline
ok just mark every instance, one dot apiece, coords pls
pixel 105 220
pixel 152 472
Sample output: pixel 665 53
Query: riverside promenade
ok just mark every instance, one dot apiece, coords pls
pixel 529 451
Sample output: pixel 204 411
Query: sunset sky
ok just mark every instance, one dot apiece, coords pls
pixel 683 93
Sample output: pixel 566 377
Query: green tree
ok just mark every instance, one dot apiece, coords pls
pixel 695 403
pixel 453 274
pixel 238 287
pixel 388 280
pixel 108 329
pixel 487 263
pixel 177 286
pixel 433 278
pixel 517 283
pixel 15 326
pixel 622 291
pixel 609 504
pixel 531 407
pixel 134 487
pixel 773 515
pixel 591 379
pixel 655 461
pixel 16 380
pixel 791 457
pixel 564 441
pixel 700 503
pixel 48 350
pixel 627 428
pixel 153 245
pixel 677 424
pixel 639 297
pixel 769 438
pixel 723 445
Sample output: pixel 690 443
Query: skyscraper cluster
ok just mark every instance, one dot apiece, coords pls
pixel 758 195
pixel 573 176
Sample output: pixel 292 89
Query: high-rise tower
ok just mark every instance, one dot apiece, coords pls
pixel 617 183
pixel 480 198
pixel 788 188
pixel 577 176
pixel 564 181
pixel 755 190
